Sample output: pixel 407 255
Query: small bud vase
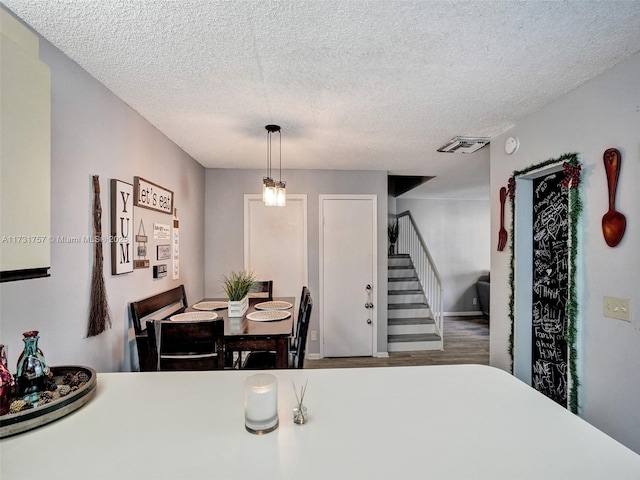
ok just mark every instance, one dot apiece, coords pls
pixel 300 414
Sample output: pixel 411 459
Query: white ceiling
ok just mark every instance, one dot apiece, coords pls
pixel 355 84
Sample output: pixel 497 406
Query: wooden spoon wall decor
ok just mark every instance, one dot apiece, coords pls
pixel 502 234
pixel 614 223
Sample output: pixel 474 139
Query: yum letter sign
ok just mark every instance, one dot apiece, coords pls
pixel 121 227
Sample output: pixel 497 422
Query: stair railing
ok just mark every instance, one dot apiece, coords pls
pixel 410 242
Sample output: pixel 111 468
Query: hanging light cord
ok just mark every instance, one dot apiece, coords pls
pixel 268 154
pixel 280 134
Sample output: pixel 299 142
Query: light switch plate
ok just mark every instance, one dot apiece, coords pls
pixel 619 308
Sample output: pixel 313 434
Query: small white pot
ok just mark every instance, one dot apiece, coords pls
pixel 238 308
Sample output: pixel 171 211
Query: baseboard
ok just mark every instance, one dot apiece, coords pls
pixel 462 314
pixel 316 356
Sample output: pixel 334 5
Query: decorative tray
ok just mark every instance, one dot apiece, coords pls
pixel 193 316
pixel 273 305
pixel 211 305
pixel 268 315
pixel 82 382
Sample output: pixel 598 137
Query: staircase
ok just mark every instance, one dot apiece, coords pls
pixel 411 324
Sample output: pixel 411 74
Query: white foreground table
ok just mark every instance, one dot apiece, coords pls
pixel 450 422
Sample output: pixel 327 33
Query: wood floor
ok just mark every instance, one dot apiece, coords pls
pixel 466 340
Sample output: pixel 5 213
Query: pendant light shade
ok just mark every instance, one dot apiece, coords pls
pixel 281 194
pixel 273 193
pixel 268 191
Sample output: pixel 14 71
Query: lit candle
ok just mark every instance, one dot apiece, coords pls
pixel 261 403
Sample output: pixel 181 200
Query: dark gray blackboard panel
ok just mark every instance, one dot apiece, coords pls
pixel 550 287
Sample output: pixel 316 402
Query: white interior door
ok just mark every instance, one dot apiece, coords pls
pixel 347 266
pixel 276 243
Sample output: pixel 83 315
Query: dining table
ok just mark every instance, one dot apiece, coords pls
pixel 439 422
pixel 242 334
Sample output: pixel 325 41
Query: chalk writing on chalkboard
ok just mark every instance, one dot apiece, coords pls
pixel 550 287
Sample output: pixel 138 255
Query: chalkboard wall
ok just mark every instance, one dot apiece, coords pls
pixel 550 287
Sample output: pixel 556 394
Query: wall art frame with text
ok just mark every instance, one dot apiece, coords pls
pixel 121 227
pixel 152 196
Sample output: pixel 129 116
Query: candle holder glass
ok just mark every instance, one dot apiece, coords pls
pixel 261 403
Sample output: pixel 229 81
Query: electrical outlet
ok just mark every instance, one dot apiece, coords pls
pixel 619 308
pixel 314 335
pixel 475 301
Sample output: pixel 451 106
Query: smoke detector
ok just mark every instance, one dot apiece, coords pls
pixel 464 145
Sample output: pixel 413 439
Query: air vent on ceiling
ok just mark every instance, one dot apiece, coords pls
pixel 464 145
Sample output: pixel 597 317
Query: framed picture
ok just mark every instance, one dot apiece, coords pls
pixel 163 252
pixel 121 227
pixel 152 196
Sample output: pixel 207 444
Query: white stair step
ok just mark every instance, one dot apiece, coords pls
pixel 407 343
pixel 406 296
pixel 413 346
pixel 425 326
pixel 408 310
pixel 396 284
pixel 401 272
pixel 399 260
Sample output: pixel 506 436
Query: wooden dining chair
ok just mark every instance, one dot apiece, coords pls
pixel 267 360
pixel 174 300
pixel 293 347
pixel 262 289
pixel 299 354
pixel 194 345
pixel 304 299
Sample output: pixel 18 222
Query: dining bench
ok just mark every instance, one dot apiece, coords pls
pixel 165 304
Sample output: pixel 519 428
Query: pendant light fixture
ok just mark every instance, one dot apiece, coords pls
pixel 273 193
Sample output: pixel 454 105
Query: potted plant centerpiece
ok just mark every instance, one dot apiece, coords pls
pixel 237 285
pixel 393 236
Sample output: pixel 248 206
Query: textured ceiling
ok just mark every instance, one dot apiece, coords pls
pixel 368 85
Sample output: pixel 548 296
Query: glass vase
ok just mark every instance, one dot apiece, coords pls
pixel 32 372
pixel 31 333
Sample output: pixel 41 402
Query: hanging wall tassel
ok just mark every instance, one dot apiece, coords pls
pixel 99 316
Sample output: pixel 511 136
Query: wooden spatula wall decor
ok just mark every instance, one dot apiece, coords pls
pixel 614 223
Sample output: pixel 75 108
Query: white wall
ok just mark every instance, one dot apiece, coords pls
pixel 457 235
pixel 601 114
pixel 94 132
pixel 224 223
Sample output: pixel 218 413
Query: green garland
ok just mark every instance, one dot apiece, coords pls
pixel 575 210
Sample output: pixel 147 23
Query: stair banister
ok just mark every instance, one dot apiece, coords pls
pixel 410 242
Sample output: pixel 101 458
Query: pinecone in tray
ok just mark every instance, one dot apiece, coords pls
pixel 19 405
pixel 45 397
pixel 64 390
pixel 71 380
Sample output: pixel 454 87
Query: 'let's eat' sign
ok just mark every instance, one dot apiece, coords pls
pixel 152 196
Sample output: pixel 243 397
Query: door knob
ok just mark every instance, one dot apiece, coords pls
pixel 369 321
